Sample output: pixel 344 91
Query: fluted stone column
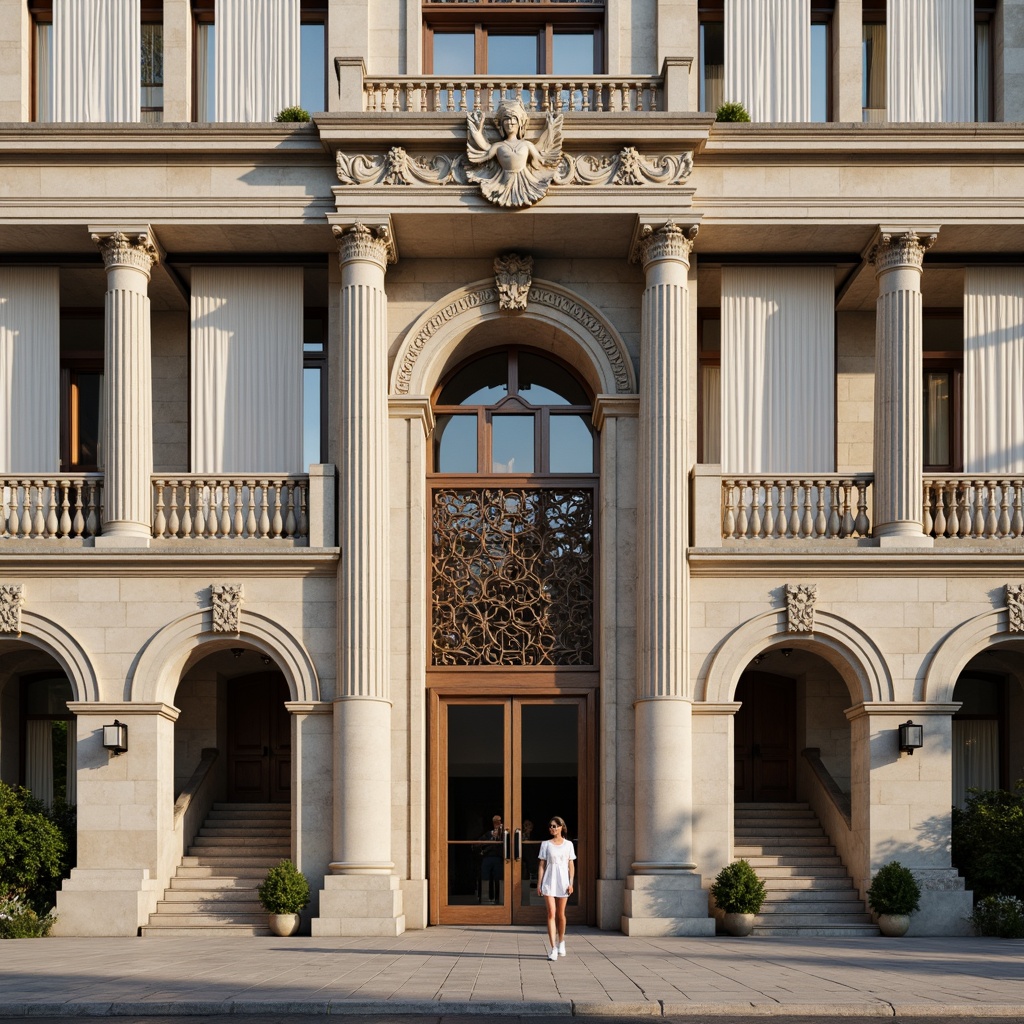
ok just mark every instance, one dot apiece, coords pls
pixel 663 894
pixel 898 439
pixel 127 428
pixel 362 894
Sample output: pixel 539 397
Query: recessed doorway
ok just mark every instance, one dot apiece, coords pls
pixel 765 739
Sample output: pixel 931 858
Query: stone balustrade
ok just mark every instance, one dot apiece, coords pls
pixel 204 507
pixel 803 508
pixel 965 506
pixel 539 94
pixel 63 507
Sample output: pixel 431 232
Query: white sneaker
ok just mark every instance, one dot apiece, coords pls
pixel 553 955
pixel 561 948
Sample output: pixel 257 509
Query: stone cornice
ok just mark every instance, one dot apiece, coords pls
pixel 611 406
pixel 900 708
pixel 123 708
pixel 193 561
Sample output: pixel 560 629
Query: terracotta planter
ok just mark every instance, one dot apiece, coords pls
pixel 893 925
pixel 284 924
pixel 738 924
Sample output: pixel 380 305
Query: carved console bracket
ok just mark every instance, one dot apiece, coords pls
pixel 513 275
pixel 1015 605
pixel 227 607
pixel 12 600
pixel 800 599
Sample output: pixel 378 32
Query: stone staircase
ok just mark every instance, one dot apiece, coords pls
pixel 214 889
pixel 809 890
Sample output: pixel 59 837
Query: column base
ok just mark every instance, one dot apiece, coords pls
pixel 123 536
pixel 108 902
pixel 666 905
pixel 360 905
pixel 902 535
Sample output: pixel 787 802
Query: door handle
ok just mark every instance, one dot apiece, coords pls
pixel 517 845
pixel 506 842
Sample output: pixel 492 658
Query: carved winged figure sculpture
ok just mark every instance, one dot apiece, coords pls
pixel 511 170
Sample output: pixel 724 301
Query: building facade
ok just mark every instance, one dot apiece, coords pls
pixel 511 439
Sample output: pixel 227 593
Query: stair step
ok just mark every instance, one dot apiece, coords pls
pixel 226 830
pixel 227 897
pixel 229 910
pixel 214 860
pixel 244 842
pixel 811 920
pixel 833 930
pixel 178 931
pixel 833 910
pixel 793 884
pixel 212 917
pixel 215 883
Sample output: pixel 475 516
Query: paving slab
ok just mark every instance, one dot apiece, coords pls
pixel 452 973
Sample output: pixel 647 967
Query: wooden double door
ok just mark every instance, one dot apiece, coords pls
pixel 502 767
pixel 259 744
pixel 765 738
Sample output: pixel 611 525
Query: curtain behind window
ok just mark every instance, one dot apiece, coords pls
pixel 975 757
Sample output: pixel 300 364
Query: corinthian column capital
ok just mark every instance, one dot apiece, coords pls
pixel 373 244
pixel 121 250
pixel 669 242
pixel 893 251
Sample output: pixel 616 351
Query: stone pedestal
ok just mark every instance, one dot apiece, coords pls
pixel 362 896
pixel 663 894
pixel 127 391
pixel 898 456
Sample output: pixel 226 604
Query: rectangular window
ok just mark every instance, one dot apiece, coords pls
pixel 314 388
pixel 81 393
pixel 942 391
pixel 312 66
pixel 709 396
pixel 152 86
pixel 712 65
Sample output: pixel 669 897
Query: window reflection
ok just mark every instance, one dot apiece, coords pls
pixel 559 387
pixel 511 444
pixel 481 383
pixel 572 445
pixel 455 440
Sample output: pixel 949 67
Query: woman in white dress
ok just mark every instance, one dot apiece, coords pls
pixel 556 873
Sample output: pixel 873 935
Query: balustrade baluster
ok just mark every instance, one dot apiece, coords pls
pixel 835 518
pixel 188 503
pixel 1004 508
pixel 225 509
pixel 940 510
pixel 849 524
pixel 953 520
pixel 92 519
pixel 802 524
pixel 742 514
pixel 782 516
pixel 289 519
pixel 729 519
pixel 1017 522
pixel 862 523
pixel 978 524
pixel 759 510
pixel 159 519
pixel 927 520
pixel 38 517
pixel 200 516
pixel 239 523
pixel 820 523
pixel 303 524
pixel 991 519
pixel 5 490
pixel 250 517
pixel 64 525
pixel 276 522
pixel 173 522
pixel 78 521
pixel 653 90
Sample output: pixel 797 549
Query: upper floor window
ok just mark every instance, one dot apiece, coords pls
pixel 151 59
pixel 313 61
pixel 943 340
pixel 712 57
pixel 488 37
pixel 81 391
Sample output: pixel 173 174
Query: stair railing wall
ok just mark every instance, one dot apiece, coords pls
pixel 195 801
pixel 816 785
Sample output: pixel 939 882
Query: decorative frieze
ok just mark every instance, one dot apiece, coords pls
pixel 665 243
pixel 227 607
pixel 800 600
pixel 628 167
pixel 12 600
pixel 1015 605
pixel 359 242
pixel 513 275
pixel 906 250
pixel 121 250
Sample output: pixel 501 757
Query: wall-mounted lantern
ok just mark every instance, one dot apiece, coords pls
pixel 911 737
pixel 115 737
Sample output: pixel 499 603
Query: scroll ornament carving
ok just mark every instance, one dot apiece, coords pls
pixel 513 275
pixel 12 600
pixel 537 296
pixel 1015 604
pixel 906 250
pixel 511 170
pixel 360 242
pixel 667 242
pixel 397 167
pixel 121 250
pixel 227 607
pixel 800 599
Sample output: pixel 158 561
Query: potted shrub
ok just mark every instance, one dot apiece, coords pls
pixel 732 112
pixel 283 893
pixel 738 893
pixel 894 895
pixel 296 114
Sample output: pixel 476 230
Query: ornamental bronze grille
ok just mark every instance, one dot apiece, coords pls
pixel 513 576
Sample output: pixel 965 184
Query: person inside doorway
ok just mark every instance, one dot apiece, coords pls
pixel 492 859
pixel 557 872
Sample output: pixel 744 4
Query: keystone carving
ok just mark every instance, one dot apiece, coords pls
pixel 12 600
pixel 511 170
pixel 1015 604
pixel 513 275
pixel 227 607
pixel 800 599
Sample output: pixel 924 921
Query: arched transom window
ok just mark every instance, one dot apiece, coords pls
pixel 512 496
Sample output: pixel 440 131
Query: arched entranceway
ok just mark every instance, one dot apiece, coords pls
pixel 512 662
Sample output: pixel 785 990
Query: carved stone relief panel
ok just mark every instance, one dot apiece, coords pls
pixel 12 600
pixel 227 607
pixel 1015 604
pixel 800 599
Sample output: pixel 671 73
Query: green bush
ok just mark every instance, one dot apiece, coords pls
pixel 293 114
pixel 732 112
pixel 284 890
pixel 988 836
pixel 20 921
pixel 33 852
pixel 1001 916
pixel 738 890
pixel 894 890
